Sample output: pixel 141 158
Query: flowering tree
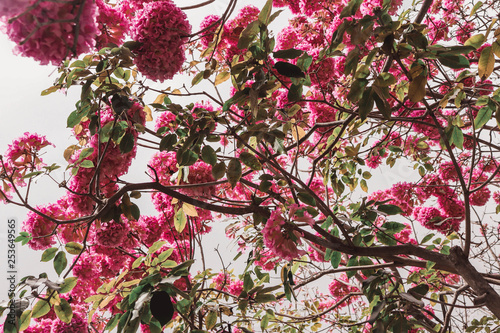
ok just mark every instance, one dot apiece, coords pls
pixel 284 162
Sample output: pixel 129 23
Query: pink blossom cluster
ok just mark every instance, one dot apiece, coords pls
pixel 112 233
pixel 47 32
pixel 224 282
pixel 281 240
pixel 113 164
pixel 340 287
pixel 113 24
pixel 165 165
pixel 162 29
pixel 227 47
pixel 22 157
pixel 209 25
pixel 9 8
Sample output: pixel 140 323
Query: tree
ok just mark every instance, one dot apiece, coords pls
pixel 343 90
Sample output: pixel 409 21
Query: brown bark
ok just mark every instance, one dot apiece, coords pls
pixel 485 293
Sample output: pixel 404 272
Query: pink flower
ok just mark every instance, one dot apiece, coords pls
pixel 340 287
pixel 163 29
pixel 210 24
pixel 112 25
pixel 112 233
pixel 282 242
pixel 480 197
pixel 9 8
pixel 47 32
pixel 78 324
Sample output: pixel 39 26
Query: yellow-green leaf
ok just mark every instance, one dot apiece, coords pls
pixel 416 92
pixel 475 41
pixel 40 309
pixel 156 246
pixel 189 209
pixel 250 161
pixel 496 48
pixel 486 63
pixel 64 311
pixel 68 284
pixel 49 254
pixel 211 320
pixel 24 320
pixel 221 77
pixel 73 248
pixel 233 172
pixel 180 220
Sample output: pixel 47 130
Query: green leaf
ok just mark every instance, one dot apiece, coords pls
pixel 288 69
pixel 208 155
pixel 335 259
pixel 385 80
pixel 234 172
pixel 386 239
pixel 351 8
pixel 85 153
pixel 390 209
pixel 111 324
pixel 248 34
pixel 60 262
pixel 40 309
pixel 381 101
pixel 87 164
pixel 247 282
pixel 73 248
pixel 357 90
pixel 352 60
pixel 50 90
pixel 127 143
pixel 476 41
pixel 32 174
pixel 264 298
pixel 427 238
pixel 483 116
pixel 366 103
pixel 188 158
pixel 419 291
pixel 68 285
pixel 393 227
pixel 211 320
pixel 453 61
pixel 219 170
pixel 250 161
pixel 288 54
pixel 457 137
pixel 295 93
pixel 353 261
pixel 76 116
pixel 49 254
pixel 416 39
pixel 265 13
pixel 168 142
pixel 197 78
pixel 180 220
pixel 9 326
pixel 306 198
pixel 63 311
